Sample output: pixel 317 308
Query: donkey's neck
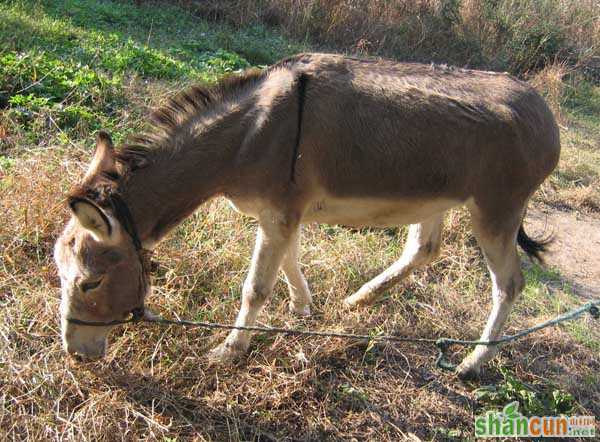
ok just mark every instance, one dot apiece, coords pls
pixel 196 165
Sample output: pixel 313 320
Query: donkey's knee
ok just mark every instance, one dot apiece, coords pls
pixel 254 295
pixel 514 287
pixel 425 252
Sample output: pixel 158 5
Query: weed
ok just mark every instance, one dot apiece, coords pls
pixel 516 36
pixel 534 400
pixel 6 164
pixel 352 397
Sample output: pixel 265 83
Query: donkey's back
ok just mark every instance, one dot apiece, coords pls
pixel 380 129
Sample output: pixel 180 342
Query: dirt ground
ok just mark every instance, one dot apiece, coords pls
pixel 575 251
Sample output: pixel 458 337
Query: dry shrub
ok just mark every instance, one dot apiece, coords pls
pixel 549 82
pixel 511 35
pixel 582 198
pixel 585 198
pixel 365 26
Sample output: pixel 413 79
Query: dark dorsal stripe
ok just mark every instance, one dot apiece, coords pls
pixel 302 82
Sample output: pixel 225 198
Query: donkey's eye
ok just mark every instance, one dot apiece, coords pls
pixel 90 285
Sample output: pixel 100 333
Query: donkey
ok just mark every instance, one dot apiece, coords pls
pixel 314 138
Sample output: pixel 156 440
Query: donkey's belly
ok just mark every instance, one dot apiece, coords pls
pixel 359 212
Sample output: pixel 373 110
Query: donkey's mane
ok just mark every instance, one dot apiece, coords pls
pixel 183 107
pixel 165 122
pixel 167 119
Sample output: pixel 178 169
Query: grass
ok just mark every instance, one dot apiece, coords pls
pixel 517 36
pixel 70 67
pixel 575 184
pixel 533 401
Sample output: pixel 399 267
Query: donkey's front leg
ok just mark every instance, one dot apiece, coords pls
pixel 300 297
pixel 272 241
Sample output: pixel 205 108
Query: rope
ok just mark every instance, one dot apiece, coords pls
pixel 443 344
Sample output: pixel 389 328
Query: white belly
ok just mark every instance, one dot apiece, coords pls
pixel 358 212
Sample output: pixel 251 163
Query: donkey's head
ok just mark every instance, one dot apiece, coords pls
pixel 99 261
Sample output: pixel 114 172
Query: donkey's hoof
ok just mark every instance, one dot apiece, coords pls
pixel 466 371
pixel 302 310
pixel 359 300
pixel 225 354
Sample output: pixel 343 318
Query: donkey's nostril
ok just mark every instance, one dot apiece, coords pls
pixel 137 313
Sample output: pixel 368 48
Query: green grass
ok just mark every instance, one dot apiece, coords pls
pixel 67 65
pixel 575 184
pixel 582 103
pixel 547 294
pixel 68 68
pixel 535 400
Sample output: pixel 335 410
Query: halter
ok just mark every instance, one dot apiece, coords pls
pixel 123 214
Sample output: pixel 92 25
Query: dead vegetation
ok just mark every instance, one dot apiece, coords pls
pixel 515 36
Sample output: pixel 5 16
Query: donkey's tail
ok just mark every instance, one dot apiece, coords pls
pixel 534 248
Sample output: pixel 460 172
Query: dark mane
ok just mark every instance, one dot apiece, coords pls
pixel 183 107
pixel 138 150
pixel 178 110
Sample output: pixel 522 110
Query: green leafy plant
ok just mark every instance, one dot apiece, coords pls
pixel 29 101
pixel 353 397
pixel 6 164
pixel 533 400
pixel 224 61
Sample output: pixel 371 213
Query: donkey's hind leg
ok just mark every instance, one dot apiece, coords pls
pixel 300 297
pixel 422 246
pixel 499 246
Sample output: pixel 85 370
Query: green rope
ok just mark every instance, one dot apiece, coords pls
pixel 443 344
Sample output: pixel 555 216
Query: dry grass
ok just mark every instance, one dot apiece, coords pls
pixel 575 184
pixel 517 36
pixel 549 81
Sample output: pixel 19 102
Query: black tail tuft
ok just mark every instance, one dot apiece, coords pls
pixel 533 248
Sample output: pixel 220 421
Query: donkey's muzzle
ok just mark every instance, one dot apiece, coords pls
pixel 87 353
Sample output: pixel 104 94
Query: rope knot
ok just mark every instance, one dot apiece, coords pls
pixel 443 344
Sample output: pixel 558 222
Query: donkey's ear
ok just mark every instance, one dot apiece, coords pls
pixel 91 217
pixel 104 158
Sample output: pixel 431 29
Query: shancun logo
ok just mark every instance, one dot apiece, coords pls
pixel 511 423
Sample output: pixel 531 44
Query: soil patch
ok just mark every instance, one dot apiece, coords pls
pixel 576 247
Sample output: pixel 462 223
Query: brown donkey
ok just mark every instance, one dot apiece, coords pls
pixel 314 138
